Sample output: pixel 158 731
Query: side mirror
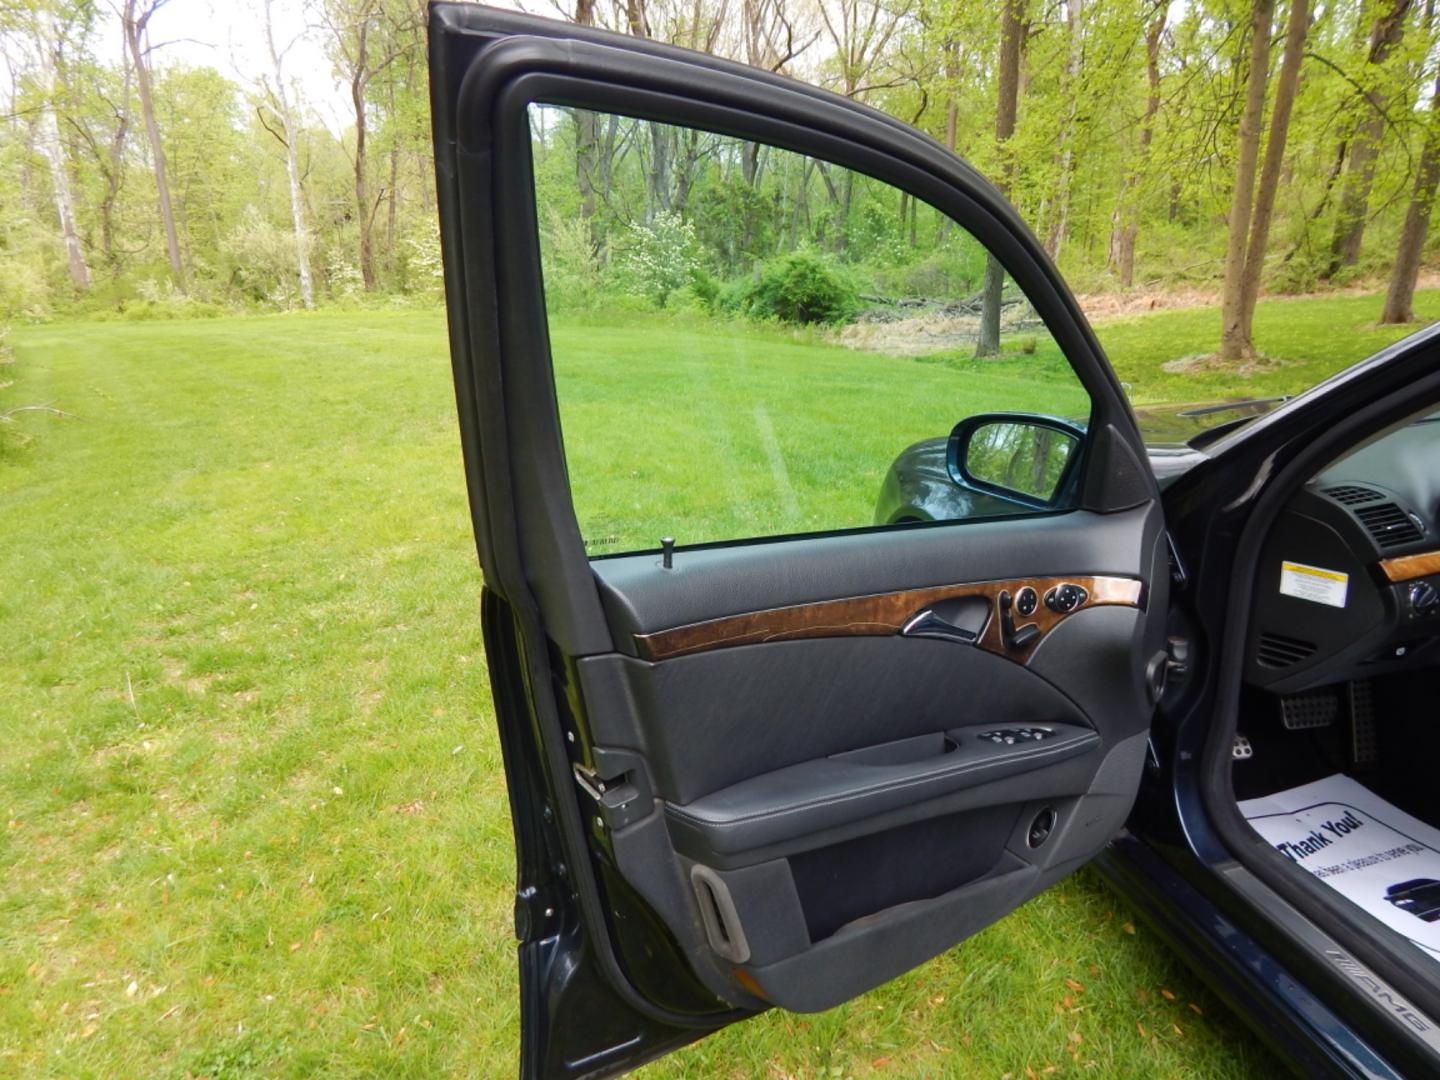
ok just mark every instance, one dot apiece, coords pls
pixel 1021 457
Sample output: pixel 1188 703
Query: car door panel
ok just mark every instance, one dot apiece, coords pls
pixel 811 792
pixel 766 774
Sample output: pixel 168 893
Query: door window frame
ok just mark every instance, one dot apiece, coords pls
pixel 513 336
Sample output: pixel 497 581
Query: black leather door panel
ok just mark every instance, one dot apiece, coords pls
pixel 813 797
pixel 708 721
pixel 767 760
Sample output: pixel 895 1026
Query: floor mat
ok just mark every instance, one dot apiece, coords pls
pixel 1370 852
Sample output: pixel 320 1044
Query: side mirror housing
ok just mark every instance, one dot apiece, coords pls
pixel 1024 458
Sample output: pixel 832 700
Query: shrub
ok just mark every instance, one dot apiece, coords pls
pixel 803 287
pixel 704 288
pixel 23 284
pixel 660 257
pixel 733 297
pixel 573 269
pixel 259 259
pixel 422 266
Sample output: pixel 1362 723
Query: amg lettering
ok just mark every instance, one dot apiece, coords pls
pixel 1380 992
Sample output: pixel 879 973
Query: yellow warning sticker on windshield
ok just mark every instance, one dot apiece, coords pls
pixel 1312 583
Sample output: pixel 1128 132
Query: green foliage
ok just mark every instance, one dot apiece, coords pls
pixel 955 270
pixel 803 287
pixel 733 297
pixel 1075 163
pixel 574 277
pixel 25 286
pixel 705 287
pixel 423 268
pixel 259 258
pixel 658 258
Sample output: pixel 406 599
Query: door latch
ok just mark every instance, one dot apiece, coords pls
pixel 618 801
pixel 1167 668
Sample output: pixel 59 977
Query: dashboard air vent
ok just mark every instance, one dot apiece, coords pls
pixel 1279 651
pixel 1352 494
pixel 1388 525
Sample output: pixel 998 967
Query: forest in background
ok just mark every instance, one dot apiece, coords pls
pixel 1226 145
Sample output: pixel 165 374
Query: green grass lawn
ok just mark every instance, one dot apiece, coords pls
pixel 254 819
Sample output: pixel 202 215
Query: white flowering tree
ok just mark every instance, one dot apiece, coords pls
pixel 660 257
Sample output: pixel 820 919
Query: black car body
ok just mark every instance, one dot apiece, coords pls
pixel 922 483
pixel 710 748
pixel 1419 896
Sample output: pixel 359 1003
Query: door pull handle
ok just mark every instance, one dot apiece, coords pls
pixel 928 624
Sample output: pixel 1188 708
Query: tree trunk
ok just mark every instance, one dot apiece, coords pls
pixel 1355 196
pixel 358 80
pixel 1385 35
pixel 1006 107
pixel 586 143
pixel 1235 342
pixel 658 174
pixel 114 172
pixel 952 102
pixel 134 26
pixel 392 188
pixel 1056 239
pixel 847 199
pixel 1125 224
pixel 1286 83
pixel 635 18
pixel 292 168
pixel 1400 297
pixel 53 151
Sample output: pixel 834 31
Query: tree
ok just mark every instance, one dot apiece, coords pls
pixel 134 19
pixel 1297 26
pixel 1012 14
pixel 1235 343
pixel 1385 35
pixel 1125 223
pixel 47 45
pixel 1400 296
pixel 280 102
pixel 109 156
pixel 1066 135
pixel 365 38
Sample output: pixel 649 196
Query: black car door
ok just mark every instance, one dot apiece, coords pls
pixel 791 753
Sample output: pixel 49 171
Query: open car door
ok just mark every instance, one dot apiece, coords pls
pixel 807 745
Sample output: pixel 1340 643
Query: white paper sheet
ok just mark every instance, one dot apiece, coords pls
pixel 1371 853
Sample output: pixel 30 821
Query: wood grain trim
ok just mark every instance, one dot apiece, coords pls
pixel 881 614
pixel 1409 567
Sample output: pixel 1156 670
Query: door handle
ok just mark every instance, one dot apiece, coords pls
pixel 928 624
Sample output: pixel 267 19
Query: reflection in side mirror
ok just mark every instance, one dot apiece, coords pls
pixel 1021 457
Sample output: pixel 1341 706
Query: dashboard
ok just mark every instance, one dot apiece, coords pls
pixel 1349 581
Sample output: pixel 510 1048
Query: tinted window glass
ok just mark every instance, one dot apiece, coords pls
pixel 750 342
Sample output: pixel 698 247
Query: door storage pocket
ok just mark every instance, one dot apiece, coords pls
pixel 855 878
